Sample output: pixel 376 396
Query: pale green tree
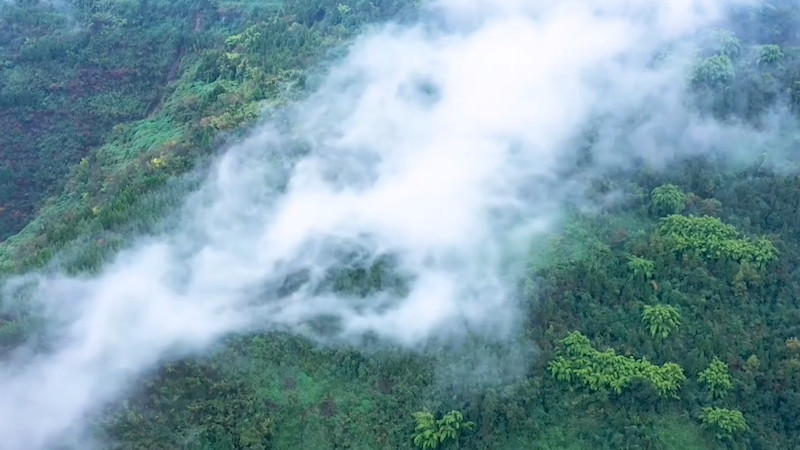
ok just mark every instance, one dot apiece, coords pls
pixel 714 72
pixel 427 432
pixel 717 378
pixel 668 199
pixel 432 433
pixel 605 370
pixel 452 425
pixel 661 320
pixel 725 43
pixel 724 423
pixel 769 55
pixel 641 268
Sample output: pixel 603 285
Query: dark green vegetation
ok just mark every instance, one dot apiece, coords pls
pixel 63 87
pixel 199 70
pixel 674 325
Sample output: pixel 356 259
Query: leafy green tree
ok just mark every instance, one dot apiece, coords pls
pixel 666 379
pixel 451 426
pixel 641 268
pixel 713 239
pixel 714 73
pixel 427 431
pixel 717 378
pixel 724 423
pixel 725 43
pixel 561 369
pixel 769 55
pixel 661 319
pixel 432 433
pixel 668 199
pixel 601 371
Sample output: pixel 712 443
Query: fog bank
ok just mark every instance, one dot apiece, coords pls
pixel 438 150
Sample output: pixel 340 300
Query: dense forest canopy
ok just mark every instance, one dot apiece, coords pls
pixel 246 224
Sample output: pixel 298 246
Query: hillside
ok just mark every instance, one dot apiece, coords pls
pixel 225 226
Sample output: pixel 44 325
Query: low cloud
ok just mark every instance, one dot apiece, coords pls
pixel 437 149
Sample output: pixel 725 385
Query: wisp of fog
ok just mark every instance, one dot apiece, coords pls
pixel 437 146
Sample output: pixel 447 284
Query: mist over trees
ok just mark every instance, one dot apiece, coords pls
pixel 659 308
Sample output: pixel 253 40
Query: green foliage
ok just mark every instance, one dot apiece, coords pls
pixel 601 371
pixel 724 43
pixel 116 106
pixel 668 199
pixel 714 73
pixel 769 54
pixel 427 431
pixel 328 397
pixel 194 75
pixel 661 320
pixel 204 402
pixel 717 378
pixel 641 268
pixel 724 423
pixel 712 239
pixel 452 424
pixel 65 85
pixel 432 433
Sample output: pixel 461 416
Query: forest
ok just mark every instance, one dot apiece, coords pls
pixel 666 319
